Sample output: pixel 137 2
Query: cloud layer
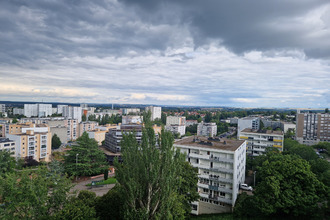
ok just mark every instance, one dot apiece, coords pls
pixel 166 52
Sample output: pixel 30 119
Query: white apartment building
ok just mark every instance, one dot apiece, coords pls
pixel 60 108
pixel 258 141
pixel 2 108
pixel 207 129
pixel 18 111
pixel 72 112
pixel 248 122
pixel 131 119
pixel 156 112
pixel 181 129
pixel 86 126
pixel 175 120
pixel 221 170
pixel 40 110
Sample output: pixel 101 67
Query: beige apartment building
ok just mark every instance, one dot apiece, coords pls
pixel 258 141
pixel 312 128
pixel 86 126
pixel 31 140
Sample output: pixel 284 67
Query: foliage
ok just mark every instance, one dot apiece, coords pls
pixel 246 206
pixel 85 159
pixel 33 194
pixel 56 167
pixel 208 117
pixel 7 162
pixel 111 205
pixel 288 187
pixel 106 174
pixel 30 162
pixel 304 151
pixel 163 118
pixel 110 180
pixel 148 175
pixel 192 129
pixel 83 117
pixel 56 142
pixel 14 121
pixel 79 208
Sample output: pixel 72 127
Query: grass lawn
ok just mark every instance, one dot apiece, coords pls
pixel 110 180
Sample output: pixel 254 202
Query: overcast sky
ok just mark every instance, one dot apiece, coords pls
pixel 235 53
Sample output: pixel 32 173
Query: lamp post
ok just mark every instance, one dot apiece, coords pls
pixel 254 178
pixel 76 165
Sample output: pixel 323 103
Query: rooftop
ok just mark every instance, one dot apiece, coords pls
pixel 262 131
pixel 3 140
pixel 214 143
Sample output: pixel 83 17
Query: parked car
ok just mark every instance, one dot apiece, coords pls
pixel 246 187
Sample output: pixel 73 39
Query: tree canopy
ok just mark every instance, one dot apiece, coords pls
pixel 56 142
pixel 85 158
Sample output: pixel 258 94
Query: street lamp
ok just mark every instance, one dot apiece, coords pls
pixel 254 178
pixel 76 165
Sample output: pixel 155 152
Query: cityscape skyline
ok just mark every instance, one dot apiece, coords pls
pixel 235 54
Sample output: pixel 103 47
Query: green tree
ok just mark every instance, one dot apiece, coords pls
pixel 208 117
pixel 56 142
pixel 35 194
pixel 288 187
pixel 163 118
pixel 192 129
pixel 148 175
pixel 7 162
pixel 326 110
pixel 14 120
pixel 85 159
pixel 79 208
pixel 83 117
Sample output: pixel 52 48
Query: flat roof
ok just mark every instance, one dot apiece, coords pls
pixel 214 143
pixel 4 140
pixel 249 130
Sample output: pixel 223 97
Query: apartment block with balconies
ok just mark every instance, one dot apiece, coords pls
pixel 221 169
pixel 258 141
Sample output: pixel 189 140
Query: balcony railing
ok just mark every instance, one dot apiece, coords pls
pixel 220 189
pixel 220 199
pixel 221 159
pixel 199 156
pixel 219 179
pixel 224 170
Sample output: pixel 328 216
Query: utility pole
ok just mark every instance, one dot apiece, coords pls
pixel 254 178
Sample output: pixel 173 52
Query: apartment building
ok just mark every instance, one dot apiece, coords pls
pixel 191 122
pixel 86 126
pixel 248 122
pixel 312 128
pixel 114 136
pixel 98 135
pixel 207 129
pixel 8 145
pixel 258 141
pixel 72 112
pixel 126 111
pixel 31 140
pixel 2 108
pixel 156 112
pixel 18 111
pixel 58 127
pixel 60 108
pixel 40 110
pixel 176 124
pixel 221 170
pixel 72 129
pixel 131 119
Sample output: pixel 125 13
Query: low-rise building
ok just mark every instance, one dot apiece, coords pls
pixel 132 119
pixel 258 141
pixel 248 122
pixel 286 126
pixel 207 129
pixel 221 170
pixel 98 135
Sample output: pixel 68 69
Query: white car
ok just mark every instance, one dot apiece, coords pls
pixel 246 187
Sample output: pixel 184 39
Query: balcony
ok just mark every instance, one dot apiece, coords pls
pixel 223 170
pixel 220 189
pixel 220 199
pixel 204 176
pixel 200 166
pixel 243 137
pixel 199 156
pixel 219 179
pixel 277 140
pixel 203 185
pixel 203 195
pixel 221 159
pixel 278 146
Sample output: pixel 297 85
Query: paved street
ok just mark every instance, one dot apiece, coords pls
pixel 100 190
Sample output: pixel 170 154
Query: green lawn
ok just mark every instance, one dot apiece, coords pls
pixel 110 180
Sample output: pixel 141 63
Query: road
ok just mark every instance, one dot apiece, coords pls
pixel 100 191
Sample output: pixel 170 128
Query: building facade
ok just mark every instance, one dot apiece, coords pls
pixel 258 141
pixel 221 170
pixel 18 111
pixel 2 108
pixel 114 136
pixel 40 110
pixel 86 126
pixel 60 108
pixel 126 111
pixel 248 122
pixel 31 140
pixel 131 119
pixel 156 112
pixel 72 129
pixel 72 112
pixel 7 145
pixel 207 129
pixel 311 128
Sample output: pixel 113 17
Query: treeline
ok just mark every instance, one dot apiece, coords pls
pixel 106 119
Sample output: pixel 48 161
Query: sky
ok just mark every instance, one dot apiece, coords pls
pixel 233 53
